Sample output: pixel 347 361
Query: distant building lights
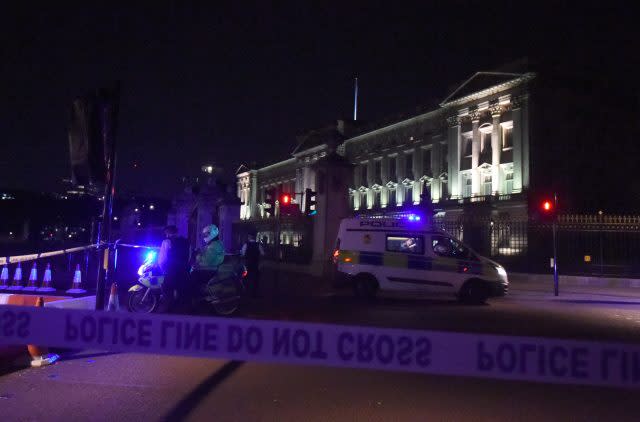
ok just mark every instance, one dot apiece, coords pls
pixel 10 233
pixel 115 218
pixel 137 210
pixel 152 207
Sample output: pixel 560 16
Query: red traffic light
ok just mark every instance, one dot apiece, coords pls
pixel 547 206
pixel 285 199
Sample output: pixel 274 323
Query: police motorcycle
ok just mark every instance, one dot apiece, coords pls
pixel 219 291
pixel 146 295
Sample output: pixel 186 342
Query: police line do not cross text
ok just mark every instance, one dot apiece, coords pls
pixel 461 354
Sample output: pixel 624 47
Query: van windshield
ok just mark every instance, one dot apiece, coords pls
pixel 446 246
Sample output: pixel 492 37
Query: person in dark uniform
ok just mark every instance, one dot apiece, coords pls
pixel 173 260
pixel 252 251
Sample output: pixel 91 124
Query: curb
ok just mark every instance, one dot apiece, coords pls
pixel 566 280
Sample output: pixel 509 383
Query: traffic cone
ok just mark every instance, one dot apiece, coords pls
pixel 17 279
pixel 114 303
pixel 33 279
pixel 40 356
pixel 46 281
pixel 77 280
pixel 4 278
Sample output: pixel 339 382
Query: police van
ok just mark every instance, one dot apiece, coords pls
pixel 406 254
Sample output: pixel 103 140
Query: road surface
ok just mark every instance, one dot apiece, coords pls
pixel 93 385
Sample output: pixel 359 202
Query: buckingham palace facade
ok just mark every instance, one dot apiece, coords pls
pixel 468 157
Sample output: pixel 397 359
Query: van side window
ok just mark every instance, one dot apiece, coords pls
pixel 405 244
pixel 445 246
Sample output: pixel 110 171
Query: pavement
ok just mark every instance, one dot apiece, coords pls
pixel 97 385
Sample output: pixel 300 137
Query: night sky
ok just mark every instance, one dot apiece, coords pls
pixel 230 84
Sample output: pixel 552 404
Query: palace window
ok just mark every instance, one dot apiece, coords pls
pixel 468 146
pixel 376 199
pixel 507 137
pixel 408 194
pixel 377 167
pixel 508 183
pixel 408 165
pixel 426 162
pixel 392 169
pixel 364 178
pixel 486 184
pixel 466 185
pixel 391 198
pixel 426 192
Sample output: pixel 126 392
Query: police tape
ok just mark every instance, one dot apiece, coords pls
pixel 427 352
pixel 32 257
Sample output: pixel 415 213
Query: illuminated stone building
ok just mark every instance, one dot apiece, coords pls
pixel 468 157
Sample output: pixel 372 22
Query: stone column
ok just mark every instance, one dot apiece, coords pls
pixel 299 194
pixel 525 142
pixel 454 156
pixel 496 148
pixel 516 135
pixel 475 156
pixel 253 196
pixel 436 150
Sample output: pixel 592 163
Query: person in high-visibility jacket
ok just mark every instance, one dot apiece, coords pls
pixel 212 255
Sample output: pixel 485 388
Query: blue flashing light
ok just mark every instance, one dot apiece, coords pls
pixel 313 212
pixel 413 217
pixel 150 256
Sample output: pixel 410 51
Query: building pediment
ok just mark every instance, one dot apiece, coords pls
pixel 426 179
pixel 391 184
pixel 376 187
pixel 407 182
pixel 482 84
pixel 363 189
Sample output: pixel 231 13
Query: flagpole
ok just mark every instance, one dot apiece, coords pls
pixel 355 101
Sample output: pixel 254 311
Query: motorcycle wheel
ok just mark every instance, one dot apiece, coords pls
pixel 139 304
pixel 218 298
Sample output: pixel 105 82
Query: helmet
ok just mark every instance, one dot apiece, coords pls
pixel 210 232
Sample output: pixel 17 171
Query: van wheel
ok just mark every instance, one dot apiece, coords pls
pixel 365 287
pixel 474 292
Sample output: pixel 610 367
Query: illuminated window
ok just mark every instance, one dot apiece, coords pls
pixel 466 185
pixel 485 141
pixel 486 184
pixel 507 138
pixel 468 147
pixel 405 244
pixel 508 183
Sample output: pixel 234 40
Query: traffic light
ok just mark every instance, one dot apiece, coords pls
pixel 270 200
pixel 287 207
pixel 548 211
pixel 310 205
